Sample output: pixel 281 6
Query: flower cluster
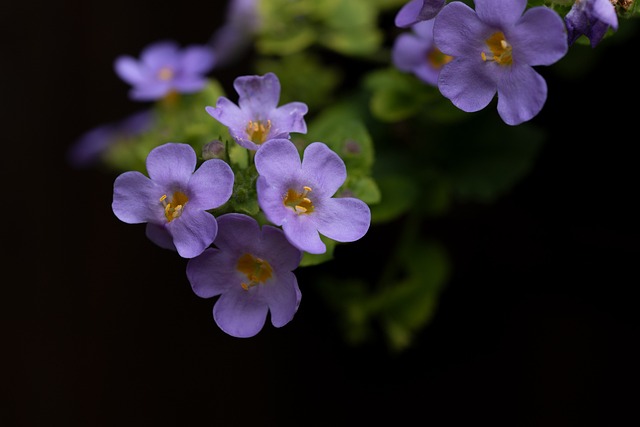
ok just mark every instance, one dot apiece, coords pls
pixel 250 268
pixel 249 190
pixel 472 55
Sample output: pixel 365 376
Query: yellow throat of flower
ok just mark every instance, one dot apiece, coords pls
pixel 174 207
pixel 258 131
pixel 299 202
pixel 256 269
pixel 500 49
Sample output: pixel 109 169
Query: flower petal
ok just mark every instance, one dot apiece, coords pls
pixel 193 232
pixel 302 233
pixel 237 231
pixel 150 91
pixel 229 114
pixel 465 83
pixel 457 30
pixel 271 201
pixel 160 54
pixel 500 13
pixel 408 52
pixel 521 95
pixel 238 315
pixel 197 60
pixel 282 298
pixel 133 199
pixel 285 257
pixel 289 118
pixel 277 160
pixel 408 14
pixel 171 163
pixel 129 70
pixel 325 168
pixel 344 219
pixel 258 95
pixel 211 273
pixel 211 185
pixel 539 38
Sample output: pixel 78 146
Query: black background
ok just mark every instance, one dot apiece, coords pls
pixel 537 327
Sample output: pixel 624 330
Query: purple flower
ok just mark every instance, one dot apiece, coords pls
pixel 591 18
pixel 416 11
pixel 257 117
pixel 416 53
pixel 164 68
pixel 298 195
pixel 252 271
pixel 233 38
pixel 495 48
pixel 87 149
pixel 174 200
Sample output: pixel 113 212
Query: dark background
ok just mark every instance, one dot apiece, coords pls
pixel 537 327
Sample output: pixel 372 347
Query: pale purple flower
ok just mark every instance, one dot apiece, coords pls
pixel 298 195
pixel 174 200
pixel 417 10
pixel 495 48
pixel 251 269
pixel 165 68
pixel 591 18
pixel 416 53
pixel 234 37
pixel 88 148
pixel 257 118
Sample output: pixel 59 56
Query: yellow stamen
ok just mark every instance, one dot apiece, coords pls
pixel 173 209
pixel 256 269
pixel 500 48
pixel 299 202
pixel 258 131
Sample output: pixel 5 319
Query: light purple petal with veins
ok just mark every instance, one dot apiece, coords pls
pixel 171 163
pixel 521 95
pixel 131 194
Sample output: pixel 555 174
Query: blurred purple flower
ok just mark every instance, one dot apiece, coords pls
pixel 299 195
pixel 174 200
pixel 416 53
pixel 234 37
pixel 591 18
pixel 252 271
pixel 257 117
pixel 88 148
pixel 165 68
pixel 495 48
pixel 417 10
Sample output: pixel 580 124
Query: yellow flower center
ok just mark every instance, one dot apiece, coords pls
pixel 165 73
pixel 256 269
pixel 173 208
pixel 258 131
pixel 299 202
pixel 437 59
pixel 500 49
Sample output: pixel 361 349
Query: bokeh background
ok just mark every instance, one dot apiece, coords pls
pixel 537 326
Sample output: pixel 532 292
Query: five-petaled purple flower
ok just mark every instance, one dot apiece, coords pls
pixel 164 68
pixel 418 10
pixel 252 271
pixel 298 195
pixel 415 52
pixel 257 118
pixel 174 199
pixel 495 48
pixel 591 18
